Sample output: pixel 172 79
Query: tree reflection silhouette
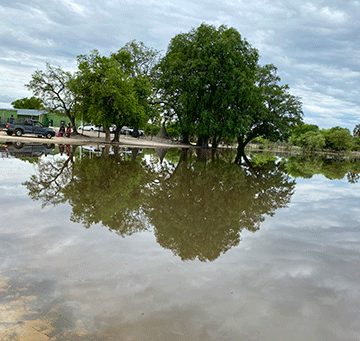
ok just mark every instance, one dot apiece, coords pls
pixel 199 210
pixel 196 206
pixel 332 168
pixel 110 192
pixel 51 178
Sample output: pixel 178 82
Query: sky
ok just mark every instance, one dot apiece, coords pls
pixel 315 45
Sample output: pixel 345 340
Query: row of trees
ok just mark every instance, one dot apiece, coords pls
pixel 310 137
pixel 209 83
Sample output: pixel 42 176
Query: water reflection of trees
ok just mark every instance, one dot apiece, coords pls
pixel 51 177
pixel 331 168
pixel 199 209
pixel 109 191
pixel 196 205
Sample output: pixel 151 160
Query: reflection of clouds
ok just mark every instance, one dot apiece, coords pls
pixel 292 277
pixel 299 271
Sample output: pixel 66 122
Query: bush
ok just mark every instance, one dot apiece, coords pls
pixel 338 139
pixel 312 140
pixel 151 129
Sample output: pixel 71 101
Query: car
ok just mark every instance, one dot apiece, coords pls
pixel 92 127
pixel 127 131
pixel 26 150
pixel 130 131
pixel 88 127
pixel 111 128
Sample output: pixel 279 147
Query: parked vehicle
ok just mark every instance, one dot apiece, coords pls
pixel 92 127
pixel 25 150
pixel 126 131
pixel 89 127
pixel 28 126
pixel 112 129
pixel 130 131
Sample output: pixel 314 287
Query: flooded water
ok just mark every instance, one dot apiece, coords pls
pixel 176 245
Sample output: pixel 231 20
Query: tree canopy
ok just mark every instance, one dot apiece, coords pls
pixel 211 82
pixel 52 86
pixel 115 89
pixel 28 103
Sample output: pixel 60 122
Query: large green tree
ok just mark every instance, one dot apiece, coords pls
pixel 200 208
pixel 272 113
pixel 52 87
pixel 201 75
pixel 116 89
pixel 211 83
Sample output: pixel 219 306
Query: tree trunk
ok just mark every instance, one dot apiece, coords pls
pixel 134 153
pixel 135 132
pixel 116 152
pixel 107 135
pixel 117 134
pixel 106 152
pixel 201 154
pixel 215 142
pixel 185 137
pixel 73 123
pixel 203 141
pixel 241 151
pixel 162 134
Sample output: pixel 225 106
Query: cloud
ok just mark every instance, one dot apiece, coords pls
pixel 313 44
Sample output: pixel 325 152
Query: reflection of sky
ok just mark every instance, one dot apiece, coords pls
pixel 296 278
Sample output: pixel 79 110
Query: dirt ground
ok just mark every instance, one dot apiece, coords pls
pixel 96 138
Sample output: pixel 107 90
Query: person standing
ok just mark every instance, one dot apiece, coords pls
pixel 68 130
pixel 62 130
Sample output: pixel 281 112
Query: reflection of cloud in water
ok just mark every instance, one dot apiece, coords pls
pixel 292 277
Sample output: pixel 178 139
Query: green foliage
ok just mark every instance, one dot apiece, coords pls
pixel 151 129
pixel 306 167
pixel 116 89
pixel 356 131
pixel 201 210
pixel 276 112
pixel 212 84
pixel 106 93
pixel 173 129
pixel 259 159
pixel 312 140
pixel 28 103
pixel 202 75
pixel 309 136
pixel 52 87
pixel 338 139
pixel 196 206
pixel 114 201
pixel 299 130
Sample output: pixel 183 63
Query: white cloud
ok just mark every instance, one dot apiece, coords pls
pixel 311 43
pixel 330 15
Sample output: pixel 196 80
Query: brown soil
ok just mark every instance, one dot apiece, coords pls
pixel 97 138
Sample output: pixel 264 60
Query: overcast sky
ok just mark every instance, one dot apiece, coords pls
pixel 315 45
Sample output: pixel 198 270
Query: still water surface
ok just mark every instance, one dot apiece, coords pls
pixel 177 245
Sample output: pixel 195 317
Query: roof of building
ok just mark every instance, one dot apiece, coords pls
pixel 27 112
pixel 30 112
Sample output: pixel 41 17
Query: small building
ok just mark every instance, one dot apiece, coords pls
pixel 46 118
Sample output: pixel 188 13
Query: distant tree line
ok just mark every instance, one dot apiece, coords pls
pixel 310 137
